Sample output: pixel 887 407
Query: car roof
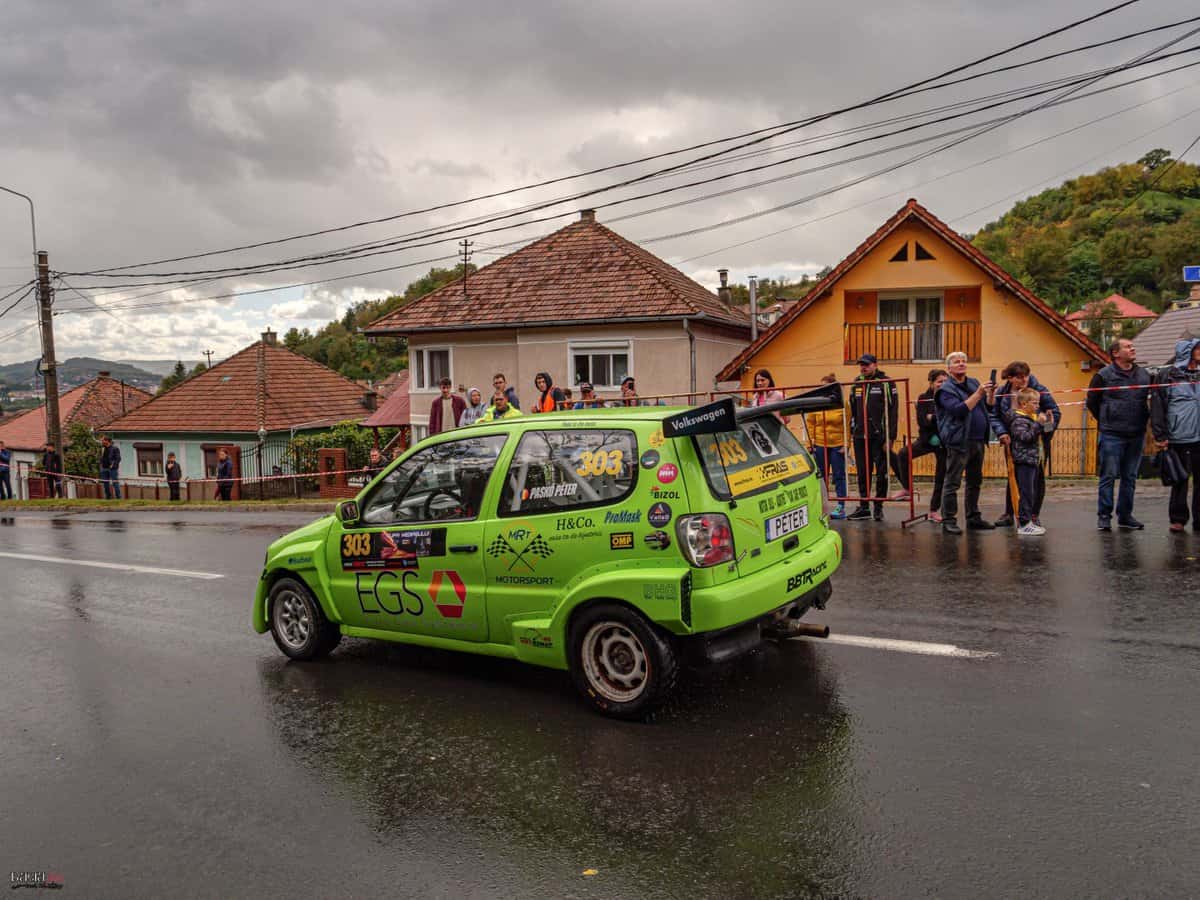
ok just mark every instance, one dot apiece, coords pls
pixel 628 414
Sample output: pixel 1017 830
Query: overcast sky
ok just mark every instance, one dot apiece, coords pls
pixel 149 130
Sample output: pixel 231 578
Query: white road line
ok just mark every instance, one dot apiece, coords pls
pixel 920 647
pixel 120 567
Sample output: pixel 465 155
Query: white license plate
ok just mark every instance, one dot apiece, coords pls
pixel 786 523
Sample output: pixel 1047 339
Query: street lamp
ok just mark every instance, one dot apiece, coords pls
pixel 32 222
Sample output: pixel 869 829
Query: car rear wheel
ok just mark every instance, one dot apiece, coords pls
pixel 621 664
pixel 298 625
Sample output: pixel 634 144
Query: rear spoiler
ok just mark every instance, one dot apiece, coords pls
pixel 722 416
pixel 825 397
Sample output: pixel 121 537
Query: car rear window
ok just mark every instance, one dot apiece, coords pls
pixel 762 453
pixel 570 469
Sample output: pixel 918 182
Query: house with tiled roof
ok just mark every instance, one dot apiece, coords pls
pixel 1156 343
pixel 914 291
pixel 583 304
pixel 95 403
pixel 1115 315
pixel 251 405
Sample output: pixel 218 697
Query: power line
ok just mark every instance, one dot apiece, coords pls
pixel 29 290
pixel 756 136
pixel 1165 169
pixel 415 241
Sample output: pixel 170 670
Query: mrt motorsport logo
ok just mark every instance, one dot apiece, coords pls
pixel 519 544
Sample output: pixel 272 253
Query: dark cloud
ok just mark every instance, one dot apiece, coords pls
pixel 146 129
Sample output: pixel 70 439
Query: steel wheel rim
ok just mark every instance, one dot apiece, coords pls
pixel 293 618
pixel 615 662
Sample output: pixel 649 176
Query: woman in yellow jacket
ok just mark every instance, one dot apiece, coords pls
pixel 826 431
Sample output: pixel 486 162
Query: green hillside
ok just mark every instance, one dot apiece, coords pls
pixel 76 371
pixel 1078 242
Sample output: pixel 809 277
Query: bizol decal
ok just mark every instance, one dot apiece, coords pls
pixel 448 593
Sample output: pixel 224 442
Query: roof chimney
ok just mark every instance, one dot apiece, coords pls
pixel 104 373
pixel 268 338
pixel 723 291
pixel 587 215
pixel 370 400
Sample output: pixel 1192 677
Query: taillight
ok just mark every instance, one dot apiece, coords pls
pixel 707 539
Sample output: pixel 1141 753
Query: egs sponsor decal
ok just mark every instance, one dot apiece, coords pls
pixel 388 592
pixel 806 577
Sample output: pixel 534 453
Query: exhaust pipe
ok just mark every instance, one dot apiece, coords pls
pixel 803 629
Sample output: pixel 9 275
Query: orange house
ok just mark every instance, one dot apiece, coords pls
pixel 911 293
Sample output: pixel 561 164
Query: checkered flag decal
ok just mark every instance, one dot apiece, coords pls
pixel 499 547
pixel 538 547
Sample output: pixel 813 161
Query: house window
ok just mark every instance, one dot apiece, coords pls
pixel 921 252
pixel 900 255
pixel 911 327
pixel 604 365
pixel 429 366
pixel 149 459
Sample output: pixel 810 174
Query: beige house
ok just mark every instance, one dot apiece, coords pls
pixel 583 304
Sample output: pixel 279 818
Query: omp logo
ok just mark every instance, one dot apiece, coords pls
pixel 806 578
pixel 621 540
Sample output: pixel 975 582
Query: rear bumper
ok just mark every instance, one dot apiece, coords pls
pixel 721 646
pixel 743 600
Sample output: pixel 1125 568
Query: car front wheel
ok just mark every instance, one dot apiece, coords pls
pixel 621 664
pixel 298 625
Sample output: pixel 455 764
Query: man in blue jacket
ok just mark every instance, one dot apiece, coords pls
pixel 1017 377
pixel 1175 420
pixel 1119 401
pixel 5 465
pixel 110 465
pixel 962 420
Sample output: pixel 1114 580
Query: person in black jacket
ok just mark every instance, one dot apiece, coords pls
pixel 1026 424
pixel 110 465
pixel 874 421
pixel 928 441
pixel 1175 421
pixel 174 476
pixel 52 467
pixel 224 476
pixel 963 430
pixel 1119 400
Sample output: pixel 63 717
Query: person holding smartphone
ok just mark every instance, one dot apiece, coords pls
pixel 962 420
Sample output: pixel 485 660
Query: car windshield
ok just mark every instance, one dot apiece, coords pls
pixel 759 455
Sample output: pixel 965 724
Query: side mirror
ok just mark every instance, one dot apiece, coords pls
pixel 347 512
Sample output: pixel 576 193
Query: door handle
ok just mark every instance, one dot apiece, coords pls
pixel 463 548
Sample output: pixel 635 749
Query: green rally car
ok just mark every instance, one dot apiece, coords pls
pixel 611 543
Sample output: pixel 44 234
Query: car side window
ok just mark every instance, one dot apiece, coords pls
pixel 569 469
pixel 442 483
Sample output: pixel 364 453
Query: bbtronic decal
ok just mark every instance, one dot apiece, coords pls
pixel 806 577
pixel 387 592
pixel 548 491
pixel 658 540
pixel 623 517
pixel 650 459
pixel 391 549
pixel 535 639
pixel 659 591
pixel 668 472
pixel 519 544
pixel 659 515
pixel 448 593
pixel 620 540
pixel 785 497
pixel 662 493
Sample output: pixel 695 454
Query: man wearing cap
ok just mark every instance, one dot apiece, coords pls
pixel 629 395
pixel 590 400
pixel 874 420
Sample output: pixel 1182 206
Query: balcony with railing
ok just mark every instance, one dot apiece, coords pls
pixel 912 342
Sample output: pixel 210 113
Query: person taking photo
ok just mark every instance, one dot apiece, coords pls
pixel 1118 399
pixel 1175 421
pixel 963 429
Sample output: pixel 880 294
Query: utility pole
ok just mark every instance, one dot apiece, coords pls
pixel 465 253
pixel 753 308
pixel 49 366
pixel 208 356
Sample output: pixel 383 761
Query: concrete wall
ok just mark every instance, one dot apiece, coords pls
pixel 659 358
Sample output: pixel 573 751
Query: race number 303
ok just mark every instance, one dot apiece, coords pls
pixel 786 523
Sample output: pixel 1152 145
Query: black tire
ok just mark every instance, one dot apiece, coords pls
pixel 298 625
pixel 621 664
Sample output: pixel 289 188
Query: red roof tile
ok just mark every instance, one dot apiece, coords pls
pixel 1126 309
pixel 395 409
pixel 584 272
pixel 226 397
pixel 914 210
pixel 96 404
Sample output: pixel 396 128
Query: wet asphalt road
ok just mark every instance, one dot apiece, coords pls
pixel 152 744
